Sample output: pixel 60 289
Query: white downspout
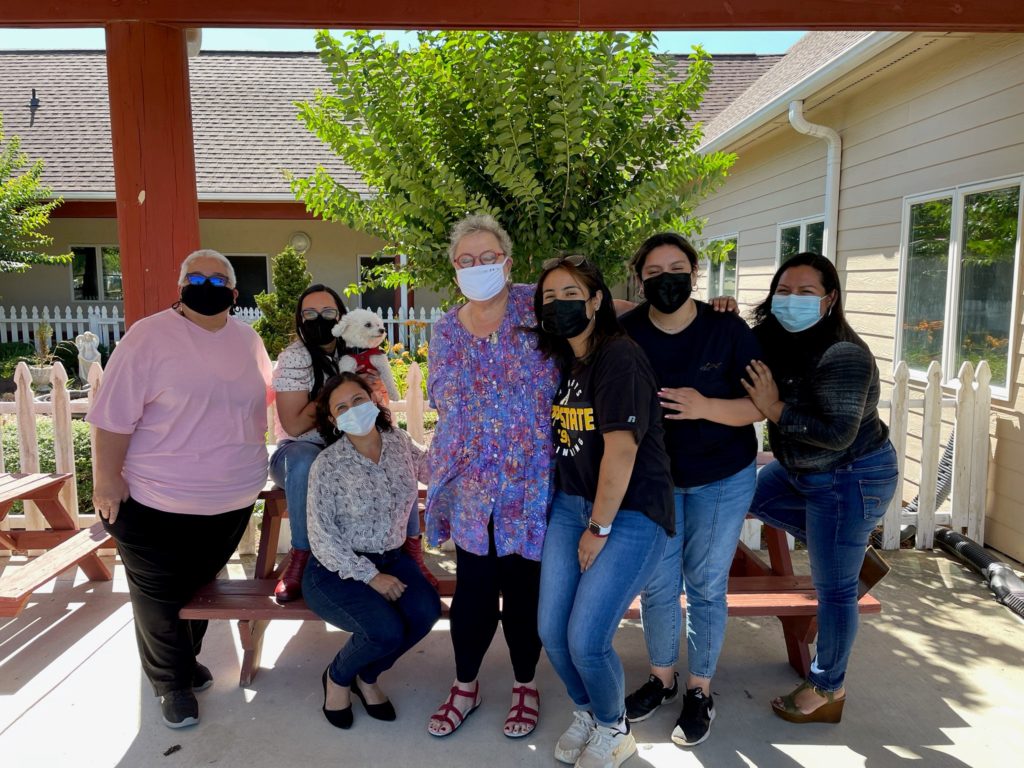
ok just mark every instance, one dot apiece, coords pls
pixel 833 168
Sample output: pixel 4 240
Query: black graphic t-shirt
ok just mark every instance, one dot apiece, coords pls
pixel 614 391
pixel 710 355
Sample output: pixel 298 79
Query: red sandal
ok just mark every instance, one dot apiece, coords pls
pixel 520 713
pixel 448 709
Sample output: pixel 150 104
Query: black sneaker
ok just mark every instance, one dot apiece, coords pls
pixel 646 699
pixel 694 723
pixel 202 678
pixel 180 709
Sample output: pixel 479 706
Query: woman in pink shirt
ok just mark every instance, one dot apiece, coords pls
pixel 181 421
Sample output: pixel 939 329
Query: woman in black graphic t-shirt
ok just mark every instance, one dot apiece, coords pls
pixel 612 510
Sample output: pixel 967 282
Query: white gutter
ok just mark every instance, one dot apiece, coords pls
pixel 848 60
pixel 833 169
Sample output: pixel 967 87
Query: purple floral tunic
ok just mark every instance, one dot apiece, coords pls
pixel 491 456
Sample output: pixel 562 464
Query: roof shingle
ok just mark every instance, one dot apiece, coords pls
pixel 244 120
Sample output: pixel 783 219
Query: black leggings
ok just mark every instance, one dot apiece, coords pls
pixel 474 614
pixel 167 557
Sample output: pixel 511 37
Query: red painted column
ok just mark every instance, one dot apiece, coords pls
pixel 154 161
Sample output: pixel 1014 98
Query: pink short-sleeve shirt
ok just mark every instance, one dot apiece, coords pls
pixel 195 405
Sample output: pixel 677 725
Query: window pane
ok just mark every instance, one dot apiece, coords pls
pixel 714 282
pixel 729 271
pixel 924 295
pixel 377 298
pixel 986 279
pixel 83 274
pixel 112 274
pixel 789 243
pixel 815 237
pixel 250 278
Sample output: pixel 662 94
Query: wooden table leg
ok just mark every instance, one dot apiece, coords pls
pixel 251 633
pixel 798 631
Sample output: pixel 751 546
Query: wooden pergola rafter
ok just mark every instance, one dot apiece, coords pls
pixel 147 68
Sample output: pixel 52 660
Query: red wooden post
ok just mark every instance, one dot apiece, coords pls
pixel 154 163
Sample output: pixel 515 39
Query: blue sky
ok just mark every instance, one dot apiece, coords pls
pixel 302 40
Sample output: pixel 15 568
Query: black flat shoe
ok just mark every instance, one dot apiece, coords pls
pixel 339 718
pixel 385 711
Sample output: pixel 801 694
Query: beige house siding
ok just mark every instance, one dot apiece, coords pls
pixel 333 255
pixel 948 114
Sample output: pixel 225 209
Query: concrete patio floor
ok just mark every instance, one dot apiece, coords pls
pixel 936 680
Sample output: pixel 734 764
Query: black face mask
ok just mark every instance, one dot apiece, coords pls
pixel 564 317
pixel 207 298
pixel 318 331
pixel 668 291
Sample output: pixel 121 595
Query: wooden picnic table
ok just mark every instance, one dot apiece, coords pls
pixel 756 588
pixel 66 546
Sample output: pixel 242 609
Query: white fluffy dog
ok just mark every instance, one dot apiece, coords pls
pixel 363 331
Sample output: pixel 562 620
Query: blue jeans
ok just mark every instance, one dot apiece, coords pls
pixel 289 468
pixel 834 513
pixel 382 630
pixel 579 612
pixel 708 522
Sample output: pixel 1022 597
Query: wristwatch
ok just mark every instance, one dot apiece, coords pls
pixel 597 529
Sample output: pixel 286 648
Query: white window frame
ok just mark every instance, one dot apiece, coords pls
pixel 802 223
pixel 721 266
pixel 949 321
pixel 100 283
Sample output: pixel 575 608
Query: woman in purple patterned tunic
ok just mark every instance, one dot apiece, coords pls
pixel 491 468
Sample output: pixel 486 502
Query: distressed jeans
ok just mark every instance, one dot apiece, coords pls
pixel 708 522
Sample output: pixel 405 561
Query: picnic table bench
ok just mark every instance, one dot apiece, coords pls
pixel 66 546
pixel 756 588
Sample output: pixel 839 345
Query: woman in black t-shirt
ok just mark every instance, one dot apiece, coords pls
pixel 612 472
pixel 699 357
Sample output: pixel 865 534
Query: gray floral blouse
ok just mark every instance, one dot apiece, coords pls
pixel 354 505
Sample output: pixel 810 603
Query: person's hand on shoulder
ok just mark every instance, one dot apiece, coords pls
pixel 724 304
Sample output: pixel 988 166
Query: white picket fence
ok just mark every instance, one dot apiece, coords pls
pixel 61 408
pixel 106 322
pixel 409 327
pixel 970 406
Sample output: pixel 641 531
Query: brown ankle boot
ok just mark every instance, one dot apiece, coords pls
pixel 290 586
pixel 414 548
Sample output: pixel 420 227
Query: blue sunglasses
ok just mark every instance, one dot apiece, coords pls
pixel 198 278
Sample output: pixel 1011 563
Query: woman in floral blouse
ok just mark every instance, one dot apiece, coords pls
pixel 361 488
pixel 491 464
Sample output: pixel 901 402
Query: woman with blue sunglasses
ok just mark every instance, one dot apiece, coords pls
pixel 181 421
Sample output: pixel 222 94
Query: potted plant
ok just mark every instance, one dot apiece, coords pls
pixel 40 365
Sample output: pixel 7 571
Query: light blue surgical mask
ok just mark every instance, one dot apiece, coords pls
pixel 796 313
pixel 359 420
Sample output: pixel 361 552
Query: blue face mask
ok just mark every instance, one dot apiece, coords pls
pixel 796 313
pixel 359 420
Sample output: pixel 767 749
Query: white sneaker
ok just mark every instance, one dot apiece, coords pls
pixel 607 748
pixel 575 738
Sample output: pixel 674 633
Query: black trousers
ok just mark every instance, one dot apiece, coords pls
pixel 167 557
pixel 474 613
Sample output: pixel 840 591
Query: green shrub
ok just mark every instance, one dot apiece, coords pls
pixel 44 433
pixel 11 353
pixel 277 325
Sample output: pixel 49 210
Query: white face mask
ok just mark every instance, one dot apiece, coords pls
pixel 359 420
pixel 481 282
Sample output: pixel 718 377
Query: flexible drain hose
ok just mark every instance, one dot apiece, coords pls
pixel 1001 578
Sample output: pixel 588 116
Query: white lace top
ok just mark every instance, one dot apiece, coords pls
pixel 355 505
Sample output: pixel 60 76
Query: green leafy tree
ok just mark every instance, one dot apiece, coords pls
pixel 574 141
pixel 25 208
pixel 277 326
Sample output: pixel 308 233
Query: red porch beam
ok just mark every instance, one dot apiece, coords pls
pixel 154 164
pixel 208 209
pixel 952 15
